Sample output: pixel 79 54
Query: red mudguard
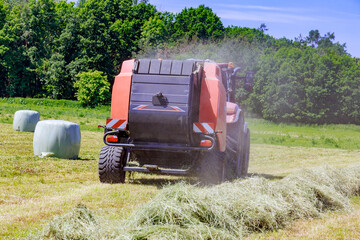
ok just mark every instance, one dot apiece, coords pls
pixel 213 102
pixel 121 91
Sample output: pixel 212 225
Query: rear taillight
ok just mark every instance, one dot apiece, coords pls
pixel 112 138
pixel 205 143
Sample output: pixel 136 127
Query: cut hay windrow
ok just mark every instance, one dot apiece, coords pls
pixel 226 211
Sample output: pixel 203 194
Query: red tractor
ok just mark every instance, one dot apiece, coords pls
pixel 176 117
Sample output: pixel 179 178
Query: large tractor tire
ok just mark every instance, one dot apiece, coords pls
pixel 111 165
pixel 235 148
pixel 246 151
pixel 212 167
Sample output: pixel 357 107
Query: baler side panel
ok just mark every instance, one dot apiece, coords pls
pixel 121 91
pixel 213 102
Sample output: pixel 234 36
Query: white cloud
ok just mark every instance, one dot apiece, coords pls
pixel 264 16
pixel 265 8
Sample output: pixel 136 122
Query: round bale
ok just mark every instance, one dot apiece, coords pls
pixel 58 137
pixel 25 120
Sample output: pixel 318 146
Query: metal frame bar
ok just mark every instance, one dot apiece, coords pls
pixel 158 171
pixel 160 146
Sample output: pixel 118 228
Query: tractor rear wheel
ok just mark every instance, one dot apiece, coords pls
pixel 245 152
pixel 212 167
pixel 111 165
pixel 239 147
pixel 234 148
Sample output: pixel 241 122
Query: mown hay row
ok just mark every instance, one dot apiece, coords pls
pixel 226 211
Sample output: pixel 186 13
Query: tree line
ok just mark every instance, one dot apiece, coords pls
pixel 47 46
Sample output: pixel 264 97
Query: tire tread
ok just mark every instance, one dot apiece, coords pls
pixel 111 165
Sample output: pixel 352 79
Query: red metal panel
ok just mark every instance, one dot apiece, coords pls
pixel 121 91
pixel 213 102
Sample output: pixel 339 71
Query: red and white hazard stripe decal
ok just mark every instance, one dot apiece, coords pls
pixel 204 127
pixel 116 123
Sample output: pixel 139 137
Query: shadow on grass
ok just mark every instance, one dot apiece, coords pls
pixel 264 175
pixel 84 159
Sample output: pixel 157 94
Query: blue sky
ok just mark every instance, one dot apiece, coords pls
pixel 285 18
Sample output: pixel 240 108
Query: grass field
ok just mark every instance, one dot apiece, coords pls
pixel 34 190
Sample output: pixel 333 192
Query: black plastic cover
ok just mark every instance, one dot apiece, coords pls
pixel 164 67
pixel 155 66
pixel 176 68
pixel 143 66
pixel 161 101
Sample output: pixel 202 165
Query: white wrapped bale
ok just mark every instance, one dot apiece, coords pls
pixel 58 138
pixel 25 120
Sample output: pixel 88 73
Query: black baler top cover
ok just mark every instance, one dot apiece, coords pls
pixel 164 101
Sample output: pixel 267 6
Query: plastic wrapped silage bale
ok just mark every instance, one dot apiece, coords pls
pixel 57 138
pixel 25 120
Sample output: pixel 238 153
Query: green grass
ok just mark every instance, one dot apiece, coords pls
pixel 333 225
pixel 34 190
pixel 262 131
pixel 324 136
pixel 87 118
pixel 227 211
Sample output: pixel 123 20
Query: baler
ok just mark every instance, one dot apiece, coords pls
pixel 175 117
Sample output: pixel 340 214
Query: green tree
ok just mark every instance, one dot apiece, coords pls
pixel 263 27
pixel 13 54
pixel 3 71
pixel 3 13
pixel 40 32
pixel 349 90
pixel 313 38
pixel 92 88
pixel 199 22
pixel 64 64
pixel 303 84
pixel 110 31
pixel 248 34
pixel 325 42
pixel 155 32
pixel 16 3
